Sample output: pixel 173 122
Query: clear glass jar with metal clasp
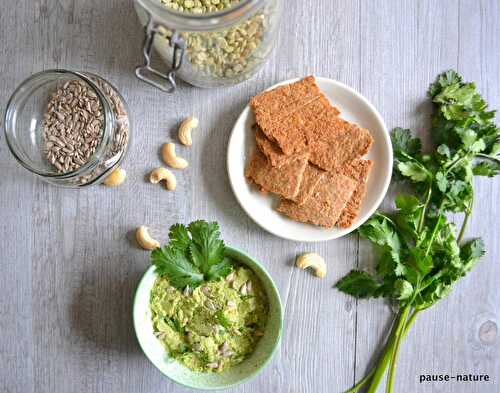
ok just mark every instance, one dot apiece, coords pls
pixel 207 43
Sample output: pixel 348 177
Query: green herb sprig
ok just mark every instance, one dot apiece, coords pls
pixel 421 255
pixel 194 254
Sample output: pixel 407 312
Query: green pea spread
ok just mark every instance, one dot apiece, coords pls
pixel 213 327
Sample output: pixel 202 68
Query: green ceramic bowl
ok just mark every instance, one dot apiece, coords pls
pixel 244 371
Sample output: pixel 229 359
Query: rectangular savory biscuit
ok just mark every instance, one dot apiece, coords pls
pixel 312 174
pixel 358 170
pixel 290 132
pixel 324 206
pixel 270 149
pixel 334 142
pixel 284 181
pixel 310 180
pixel 284 99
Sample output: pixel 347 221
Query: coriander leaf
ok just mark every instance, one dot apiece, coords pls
pixel 403 289
pixel 206 248
pixel 387 287
pixel 460 101
pixel 422 262
pixel 457 196
pixel 467 136
pixel 179 237
pixel 471 252
pixel 414 170
pixel 444 151
pixel 441 181
pixel 494 146
pixel 402 270
pixel 403 141
pixel 408 217
pixel 486 168
pixel 173 263
pixel 407 203
pixel 443 80
pixel 221 269
pixel 436 291
pixel 358 284
pixel 478 146
pixel 380 230
pixel 386 264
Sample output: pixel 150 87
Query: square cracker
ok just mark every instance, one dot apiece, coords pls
pixel 312 174
pixel 358 170
pixel 310 180
pixel 283 100
pixel 290 132
pixel 270 149
pixel 334 142
pixel 324 206
pixel 284 181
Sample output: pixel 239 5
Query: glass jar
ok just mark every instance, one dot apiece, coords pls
pixel 218 48
pixel 39 145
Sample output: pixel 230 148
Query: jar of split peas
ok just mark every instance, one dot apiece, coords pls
pixel 207 43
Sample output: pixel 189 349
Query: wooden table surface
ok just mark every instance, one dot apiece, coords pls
pixel 69 266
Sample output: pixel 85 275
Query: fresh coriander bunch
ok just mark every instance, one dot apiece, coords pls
pixel 194 254
pixel 421 255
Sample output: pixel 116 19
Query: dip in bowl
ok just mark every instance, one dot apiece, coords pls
pixel 180 367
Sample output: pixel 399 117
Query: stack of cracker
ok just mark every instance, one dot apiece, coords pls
pixel 308 155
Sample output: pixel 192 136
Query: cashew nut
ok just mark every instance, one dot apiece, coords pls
pixel 115 178
pixel 145 240
pixel 159 174
pixel 170 158
pixel 185 129
pixel 312 260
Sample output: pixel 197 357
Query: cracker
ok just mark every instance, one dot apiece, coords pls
pixel 358 170
pixel 284 181
pixel 334 142
pixel 285 99
pixel 324 206
pixel 290 132
pixel 311 178
pixel 270 149
pixel 286 112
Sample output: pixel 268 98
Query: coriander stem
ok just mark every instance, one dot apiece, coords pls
pixel 468 212
pixel 488 156
pixel 456 162
pixel 433 235
pixel 362 382
pixel 410 321
pixel 422 216
pixel 386 357
pixel 399 335
pixel 384 361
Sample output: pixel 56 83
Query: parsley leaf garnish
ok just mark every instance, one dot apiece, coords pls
pixel 194 254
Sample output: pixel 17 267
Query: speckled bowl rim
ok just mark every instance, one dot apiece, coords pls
pixel 274 292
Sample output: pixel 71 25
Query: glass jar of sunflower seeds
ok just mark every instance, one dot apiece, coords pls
pixel 207 43
pixel 69 128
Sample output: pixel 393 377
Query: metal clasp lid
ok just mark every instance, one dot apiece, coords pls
pixel 151 75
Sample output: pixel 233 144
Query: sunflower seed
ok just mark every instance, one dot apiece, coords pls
pixel 73 127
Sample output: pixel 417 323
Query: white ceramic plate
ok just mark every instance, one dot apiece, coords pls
pixel 355 108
